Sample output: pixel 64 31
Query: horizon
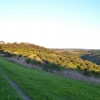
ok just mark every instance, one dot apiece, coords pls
pixel 51 24
pixel 51 48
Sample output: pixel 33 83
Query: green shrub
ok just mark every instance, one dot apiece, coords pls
pixel 20 55
pixel 7 54
pixel 28 61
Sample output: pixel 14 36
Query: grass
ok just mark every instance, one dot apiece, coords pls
pixel 41 85
pixel 7 92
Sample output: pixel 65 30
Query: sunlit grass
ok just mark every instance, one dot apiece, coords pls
pixel 41 85
pixel 7 92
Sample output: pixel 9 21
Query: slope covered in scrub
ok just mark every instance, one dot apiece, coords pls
pixel 49 58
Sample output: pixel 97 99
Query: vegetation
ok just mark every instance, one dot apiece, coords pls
pixel 50 59
pixel 94 56
pixel 40 85
pixel 73 52
pixel 7 92
pixel 91 55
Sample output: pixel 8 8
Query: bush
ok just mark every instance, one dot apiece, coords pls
pixel 78 67
pixel 28 61
pixel 86 72
pixel 20 55
pixel 7 54
pixel 2 51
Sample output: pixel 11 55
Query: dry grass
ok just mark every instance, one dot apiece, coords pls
pixel 77 76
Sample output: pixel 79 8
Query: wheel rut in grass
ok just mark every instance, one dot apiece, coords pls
pixel 15 85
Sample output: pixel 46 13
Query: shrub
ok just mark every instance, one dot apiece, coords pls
pixel 78 67
pixel 20 55
pixel 2 51
pixel 7 54
pixel 28 61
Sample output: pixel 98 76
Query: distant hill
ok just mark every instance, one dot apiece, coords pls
pixel 94 56
pixel 50 59
pixel 74 52
pixel 90 55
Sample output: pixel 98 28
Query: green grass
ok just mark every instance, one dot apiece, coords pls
pixel 7 92
pixel 41 85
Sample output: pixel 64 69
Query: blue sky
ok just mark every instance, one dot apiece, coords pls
pixel 51 23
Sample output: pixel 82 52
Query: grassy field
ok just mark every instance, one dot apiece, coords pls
pixel 41 85
pixel 7 92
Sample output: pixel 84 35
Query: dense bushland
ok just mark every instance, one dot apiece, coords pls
pixel 50 59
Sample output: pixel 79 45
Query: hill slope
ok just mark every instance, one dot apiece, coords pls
pixel 49 59
pixel 41 85
pixel 94 56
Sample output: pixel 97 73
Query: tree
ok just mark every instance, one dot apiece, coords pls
pixel 2 42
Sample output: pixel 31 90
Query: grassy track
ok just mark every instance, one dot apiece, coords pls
pixel 41 85
pixel 7 92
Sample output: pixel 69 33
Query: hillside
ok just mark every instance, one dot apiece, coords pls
pixel 94 56
pixel 90 55
pixel 49 59
pixel 73 52
pixel 41 85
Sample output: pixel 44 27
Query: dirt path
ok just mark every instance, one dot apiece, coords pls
pixel 15 85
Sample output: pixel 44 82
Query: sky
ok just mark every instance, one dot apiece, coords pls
pixel 51 23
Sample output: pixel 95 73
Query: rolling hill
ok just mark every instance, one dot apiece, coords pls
pixel 94 56
pixel 50 59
